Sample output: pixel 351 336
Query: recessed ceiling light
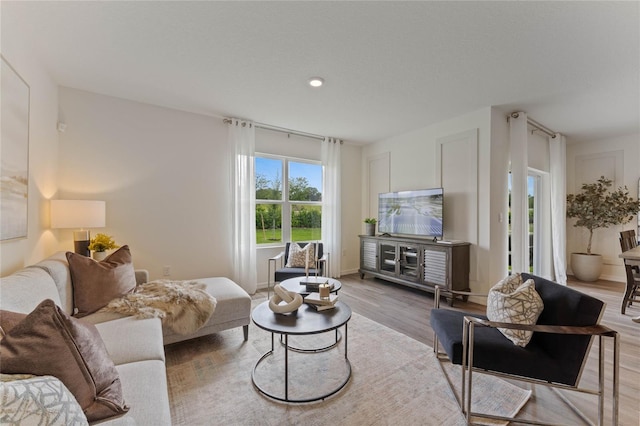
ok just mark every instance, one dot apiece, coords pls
pixel 316 81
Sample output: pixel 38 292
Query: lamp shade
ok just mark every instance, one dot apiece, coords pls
pixel 78 214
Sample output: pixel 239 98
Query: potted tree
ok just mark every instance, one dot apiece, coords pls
pixel 370 226
pixel 597 207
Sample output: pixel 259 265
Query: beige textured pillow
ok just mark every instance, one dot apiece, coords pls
pixel 298 255
pixel 95 284
pixel 38 400
pixel 50 342
pixel 515 302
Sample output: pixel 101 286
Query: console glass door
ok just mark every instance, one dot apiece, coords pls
pixel 388 258
pixel 408 262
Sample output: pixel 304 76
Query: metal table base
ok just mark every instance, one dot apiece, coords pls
pixel 285 343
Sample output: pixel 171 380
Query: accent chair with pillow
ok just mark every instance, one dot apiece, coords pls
pixel 535 330
pixel 295 260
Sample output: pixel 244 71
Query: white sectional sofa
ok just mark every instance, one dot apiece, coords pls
pixel 136 346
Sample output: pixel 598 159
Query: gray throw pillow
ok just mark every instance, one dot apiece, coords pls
pixel 50 342
pixel 95 284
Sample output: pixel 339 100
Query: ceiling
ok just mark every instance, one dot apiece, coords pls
pixel 389 67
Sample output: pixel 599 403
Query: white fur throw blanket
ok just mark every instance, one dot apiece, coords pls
pixel 183 306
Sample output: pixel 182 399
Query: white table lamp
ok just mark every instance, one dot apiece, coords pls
pixel 78 214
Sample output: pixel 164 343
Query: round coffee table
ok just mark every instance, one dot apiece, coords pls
pixel 305 321
pixel 293 284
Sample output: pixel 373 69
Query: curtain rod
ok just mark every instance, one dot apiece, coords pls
pixel 533 123
pixel 284 130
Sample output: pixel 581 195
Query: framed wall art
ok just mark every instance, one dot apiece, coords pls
pixel 14 151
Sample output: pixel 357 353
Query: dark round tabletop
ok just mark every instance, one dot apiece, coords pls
pixel 305 320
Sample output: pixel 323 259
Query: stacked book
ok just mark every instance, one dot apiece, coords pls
pixel 313 284
pixel 321 303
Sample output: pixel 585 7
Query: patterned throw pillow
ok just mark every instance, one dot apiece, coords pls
pixel 298 255
pixel 38 400
pixel 515 302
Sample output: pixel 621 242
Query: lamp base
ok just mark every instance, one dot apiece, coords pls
pixel 81 240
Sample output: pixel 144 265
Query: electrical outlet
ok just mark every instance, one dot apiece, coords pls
pixel 166 271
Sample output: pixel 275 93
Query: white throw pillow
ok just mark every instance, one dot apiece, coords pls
pixel 298 255
pixel 38 400
pixel 515 302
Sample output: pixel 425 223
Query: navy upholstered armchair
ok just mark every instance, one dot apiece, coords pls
pixel 555 355
pixel 282 272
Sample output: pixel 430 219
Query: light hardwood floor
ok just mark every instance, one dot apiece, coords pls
pixel 407 311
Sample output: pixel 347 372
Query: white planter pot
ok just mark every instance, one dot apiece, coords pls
pixel 100 255
pixel 586 267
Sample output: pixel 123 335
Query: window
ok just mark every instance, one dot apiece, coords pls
pixel 288 200
pixel 535 242
pixel 533 192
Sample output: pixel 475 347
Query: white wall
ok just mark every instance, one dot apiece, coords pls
pixel 414 165
pixel 351 217
pixel 498 196
pixel 165 177
pixel 43 157
pixel 617 159
pixel 163 173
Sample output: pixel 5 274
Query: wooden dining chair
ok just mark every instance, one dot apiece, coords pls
pixel 628 241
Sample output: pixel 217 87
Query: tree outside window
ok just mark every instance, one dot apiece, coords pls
pixel 291 212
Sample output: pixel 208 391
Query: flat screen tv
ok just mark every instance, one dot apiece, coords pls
pixel 411 212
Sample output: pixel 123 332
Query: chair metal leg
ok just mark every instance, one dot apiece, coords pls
pixel 616 378
pixel 269 277
pixel 467 392
pixel 467 369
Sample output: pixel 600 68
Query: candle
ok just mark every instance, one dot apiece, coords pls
pixel 324 291
pixel 306 261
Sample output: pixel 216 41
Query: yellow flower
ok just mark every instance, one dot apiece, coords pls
pixel 102 242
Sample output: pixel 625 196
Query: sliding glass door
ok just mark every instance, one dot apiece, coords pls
pixel 536 218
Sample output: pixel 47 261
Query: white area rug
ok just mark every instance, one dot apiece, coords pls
pixel 396 381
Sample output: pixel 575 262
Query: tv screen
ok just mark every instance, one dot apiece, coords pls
pixel 411 212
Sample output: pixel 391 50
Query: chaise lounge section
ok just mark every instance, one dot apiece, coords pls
pixel 136 346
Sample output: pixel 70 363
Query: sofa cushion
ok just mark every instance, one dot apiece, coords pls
pixel 25 289
pixel 95 284
pixel 144 339
pixel 38 400
pixel 516 302
pixel 233 305
pixel 145 384
pixel 58 267
pixel 75 354
pixel 530 361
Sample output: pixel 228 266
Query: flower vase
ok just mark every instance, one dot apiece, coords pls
pixel 99 256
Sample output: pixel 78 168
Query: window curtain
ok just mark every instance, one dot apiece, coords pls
pixel 518 136
pixel 557 162
pixel 331 216
pixel 241 139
